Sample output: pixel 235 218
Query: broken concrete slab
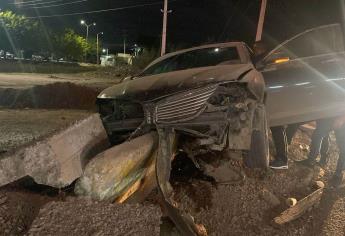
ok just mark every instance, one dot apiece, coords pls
pixel 58 159
pixel 115 171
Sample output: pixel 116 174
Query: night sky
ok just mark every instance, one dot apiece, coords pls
pixel 192 22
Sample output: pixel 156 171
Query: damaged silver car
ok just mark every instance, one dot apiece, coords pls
pixel 214 99
pixel 211 95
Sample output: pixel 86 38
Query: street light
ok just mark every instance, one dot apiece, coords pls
pixel 106 51
pixel 100 33
pixel 83 22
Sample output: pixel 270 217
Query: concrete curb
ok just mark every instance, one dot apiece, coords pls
pixel 59 159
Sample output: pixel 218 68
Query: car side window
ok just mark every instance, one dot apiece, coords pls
pixel 323 40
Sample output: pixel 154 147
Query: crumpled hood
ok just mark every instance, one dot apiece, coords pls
pixel 155 86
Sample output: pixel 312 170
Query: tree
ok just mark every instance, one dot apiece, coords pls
pixel 70 46
pixel 19 33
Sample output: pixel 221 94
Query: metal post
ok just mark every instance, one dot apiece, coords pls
pixel 342 18
pixel 124 45
pixel 97 49
pixel 164 31
pixel 87 33
pixel 261 21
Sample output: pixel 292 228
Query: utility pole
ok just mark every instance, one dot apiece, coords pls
pixel 101 33
pixel 83 22
pixel 124 45
pixel 261 21
pixel 165 24
pixel 342 18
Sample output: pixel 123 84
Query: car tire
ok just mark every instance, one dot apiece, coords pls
pixel 258 155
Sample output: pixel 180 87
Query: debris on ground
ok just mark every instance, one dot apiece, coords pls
pixel 219 200
pixel 241 209
pixel 298 209
pixel 78 216
pixel 290 202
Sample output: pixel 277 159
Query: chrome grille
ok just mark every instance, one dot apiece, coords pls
pixel 183 106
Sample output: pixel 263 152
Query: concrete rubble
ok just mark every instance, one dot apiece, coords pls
pixel 119 171
pixel 56 160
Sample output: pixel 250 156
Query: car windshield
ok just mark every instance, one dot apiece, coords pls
pixel 194 59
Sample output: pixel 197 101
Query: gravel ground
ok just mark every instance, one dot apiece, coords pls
pixel 27 80
pixel 18 127
pixel 86 217
pixel 244 209
pixel 18 210
pixel 241 209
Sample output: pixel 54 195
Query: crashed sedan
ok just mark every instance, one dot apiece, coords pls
pixel 215 100
pixel 212 95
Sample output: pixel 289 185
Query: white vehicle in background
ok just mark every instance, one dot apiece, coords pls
pixel 108 60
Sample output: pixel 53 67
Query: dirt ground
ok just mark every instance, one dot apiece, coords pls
pixel 243 209
pixel 228 209
pixel 224 209
pixel 87 217
pixel 27 80
pixel 18 209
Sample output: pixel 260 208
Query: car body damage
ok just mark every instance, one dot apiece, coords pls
pixel 210 104
pixel 213 99
pixel 210 97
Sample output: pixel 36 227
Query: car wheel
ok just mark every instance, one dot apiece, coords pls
pixel 258 155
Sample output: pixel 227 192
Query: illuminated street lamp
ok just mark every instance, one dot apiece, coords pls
pixel 105 51
pixel 83 22
pixel 100 33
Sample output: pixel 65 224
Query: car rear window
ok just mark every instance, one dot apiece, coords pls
pixel 194 59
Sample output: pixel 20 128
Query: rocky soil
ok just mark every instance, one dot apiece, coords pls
pixel 249 208
pixel 243 209
pixel 87 217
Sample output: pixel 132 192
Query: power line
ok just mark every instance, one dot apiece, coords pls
pixel 99 11
pixel 58 5
pixel 20 3
pixel 26 4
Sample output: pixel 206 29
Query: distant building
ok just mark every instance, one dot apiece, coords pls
pixel 108 60
pixel 126 58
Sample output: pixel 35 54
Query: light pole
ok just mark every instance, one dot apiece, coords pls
pixel 100 33
pixel 261 21
pixel 165 23
pixel 106 51
pixel 83 22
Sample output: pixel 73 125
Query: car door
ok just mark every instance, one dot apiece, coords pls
pixel 305 77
